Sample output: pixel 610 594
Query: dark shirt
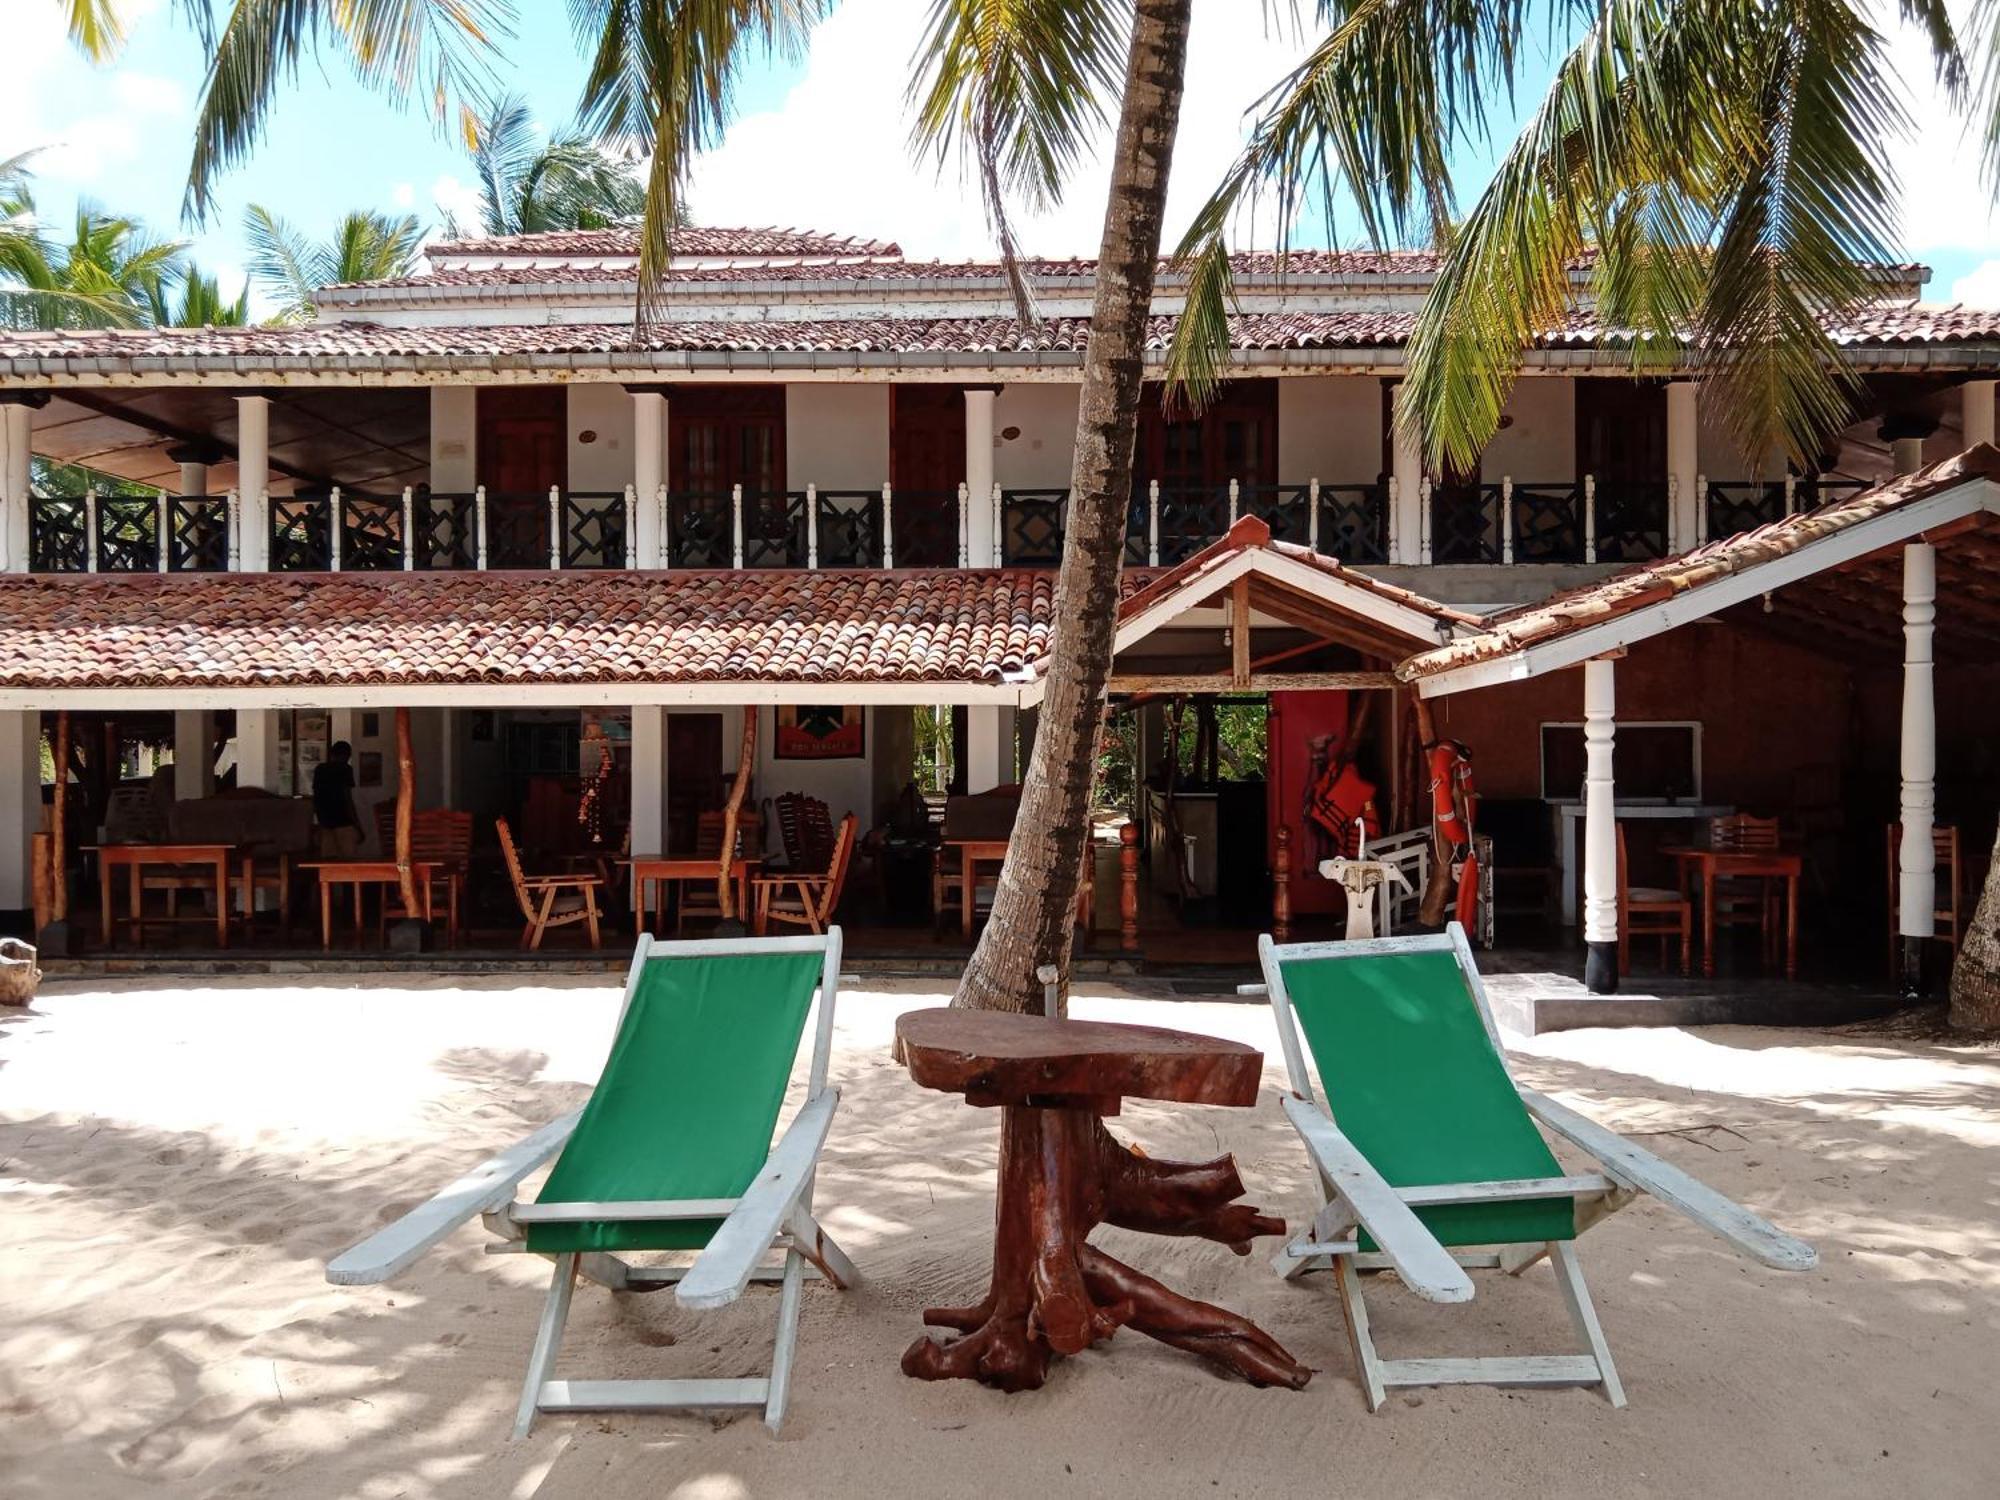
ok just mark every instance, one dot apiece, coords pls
pixel 333 795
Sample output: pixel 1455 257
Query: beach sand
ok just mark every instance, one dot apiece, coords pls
pixel 177 1164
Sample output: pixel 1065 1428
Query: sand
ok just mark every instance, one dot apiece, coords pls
pixel 176 1165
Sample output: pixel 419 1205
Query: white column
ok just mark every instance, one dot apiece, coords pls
pixel 1976 411
pixel 979 474
pixel 1407 470
pixel 1683 466
pixel 18 422
pixel 1916 856
pixel 988 728
pixel 1600 829
pixel 257 748
pixel 253 481
pixel 649 446
pixel 454 438
pixel 194 479
pixel 20 802
pixel 649 779
pixel 194 775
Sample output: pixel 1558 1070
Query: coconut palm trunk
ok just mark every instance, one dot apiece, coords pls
pixel 1034 907
pixel 1975 976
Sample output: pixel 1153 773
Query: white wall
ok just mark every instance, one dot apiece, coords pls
pixel 605 463
pixel 836 436
pixel 1041 456
pixel 1329 429
pixel 454 430
pixel 1720 458
pixel 1539 446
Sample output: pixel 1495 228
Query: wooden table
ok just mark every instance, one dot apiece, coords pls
pixel 359 873
pixel 1704 866
pixel 134 858
pixel 972 853
pixel 1062 1173
pixel 667 869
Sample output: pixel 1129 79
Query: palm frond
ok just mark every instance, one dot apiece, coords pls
pixel 284 262
pixel 95 28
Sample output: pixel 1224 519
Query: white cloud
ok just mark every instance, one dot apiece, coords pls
pixel 836 155
pixel 82 121
pixel 403 194
pixel 457 202
pixel 1945 203
pixel 1979 287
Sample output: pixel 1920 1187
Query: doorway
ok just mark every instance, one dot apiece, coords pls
pixel 694 775
pixel 522 452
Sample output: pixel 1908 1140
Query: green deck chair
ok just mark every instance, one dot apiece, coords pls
pixel 672 1152
pixel 1436 1165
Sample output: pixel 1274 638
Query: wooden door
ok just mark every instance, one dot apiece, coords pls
pixel 926 467
pixel 1621 432
pixel 521 452
pixel 724 435
pixel 694 775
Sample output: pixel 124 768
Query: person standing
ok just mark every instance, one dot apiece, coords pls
pixel 336 820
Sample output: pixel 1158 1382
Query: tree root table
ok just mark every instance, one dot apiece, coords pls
pixel 1062 1173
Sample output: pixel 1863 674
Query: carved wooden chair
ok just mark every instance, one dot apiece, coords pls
pixel 797 899
pixel 549 900
pixel 1649 911
pixel 805 825
pixel 442 838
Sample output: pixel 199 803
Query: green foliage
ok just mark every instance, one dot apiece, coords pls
pixel 48 477
pixel 527 185
pixel 362 247
pixel 933 744
pixel 201 304
pixel 108 273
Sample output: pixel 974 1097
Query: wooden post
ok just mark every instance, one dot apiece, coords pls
pixel 1239 632
pixel 1128 887
pixel 406 797
pixel 58 819
pixel 1281 885
pixel 746 757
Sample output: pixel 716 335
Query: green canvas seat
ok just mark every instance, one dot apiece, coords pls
pixel 1430 1160
pixel 673 1152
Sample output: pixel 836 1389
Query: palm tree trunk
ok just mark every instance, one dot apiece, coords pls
pixel 1975 975
pixel 1034 908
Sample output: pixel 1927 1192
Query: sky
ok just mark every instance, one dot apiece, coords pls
pixel 818 142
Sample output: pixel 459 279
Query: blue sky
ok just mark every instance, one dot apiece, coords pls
pixel 818 142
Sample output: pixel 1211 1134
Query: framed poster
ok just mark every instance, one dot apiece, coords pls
pixel 820 733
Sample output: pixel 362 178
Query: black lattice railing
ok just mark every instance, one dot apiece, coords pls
pixel 1031 527
pixel 301 538
pixel 926 528
pixel 128 534
pixel 444 530
pixel 593 530
pixel 1548 523
pixel 1465 523
pixel 1191 516
pixel 1631 521
pixel 56 535
pixel 699 529
pixel 517 529
pixel 849 528
pixel 197 533
pixel 774 529
pixel 1742 507
pixel 1354 522
pixel 371 533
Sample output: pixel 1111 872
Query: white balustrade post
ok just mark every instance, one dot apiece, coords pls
pixel 90 532
pixel 1683 465
pixel 812 526
pixel 1791 493
pixel 234 531
pixel 1312 515
pixel 631 527
pixel 1700 510
pixel 888 528
pixel 555 527
pixel 1235 500
pixel 964 526
pixel 1424 519
pixel 736 524
pixel 409 529
pixel 1152 523
pixel 998 529
pixel 335 541
pixel 649 428
pixel 665 557
pixel 1506 518
pixel 162 533
pixel 1916 856
pixel 479 527
pixel 1590 518
pixel 253 480
pixel 1600 829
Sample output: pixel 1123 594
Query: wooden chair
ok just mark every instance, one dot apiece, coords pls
pixel 805 825
pixel 1948 908
pixel 1652 911
pixel 700 898
pixel 441 837
pixel 795 899
pixel 549 900
pixel 1749 901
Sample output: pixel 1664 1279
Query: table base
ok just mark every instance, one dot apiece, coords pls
pixel 1061 1174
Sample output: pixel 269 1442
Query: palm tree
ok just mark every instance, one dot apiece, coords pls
pixel 201 304
pixel 363 247
pixel 109 274
pixel 527 184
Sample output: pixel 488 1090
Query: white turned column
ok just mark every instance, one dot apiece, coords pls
pixel 1407 469
pixel 1683 466
pixel 649 446
pixel 257 748
pixel 979 537
pixel 253 480
pixel 989 741
pixel 194 479
pixel 1600 829
pixel 1916 856
pixel 17 422
pixel 194 776
pixel 649 779
pixel 1976 411
pixel 20 803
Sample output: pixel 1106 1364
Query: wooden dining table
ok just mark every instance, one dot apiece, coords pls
pixel 1700 867
pixel 134 859
pixel 360 873
pixel 972 853
pixel 664 870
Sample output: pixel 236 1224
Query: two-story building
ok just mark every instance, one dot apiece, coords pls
pixel 835 478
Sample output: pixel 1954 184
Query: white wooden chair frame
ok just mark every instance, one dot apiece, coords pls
pixel 1410 853
pixel 1355 1197
pixel 773 1214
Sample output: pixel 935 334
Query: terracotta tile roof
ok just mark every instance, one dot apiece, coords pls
pixel 352 629
pixel 1249 331
pixel 1648 585
pixel 704 240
